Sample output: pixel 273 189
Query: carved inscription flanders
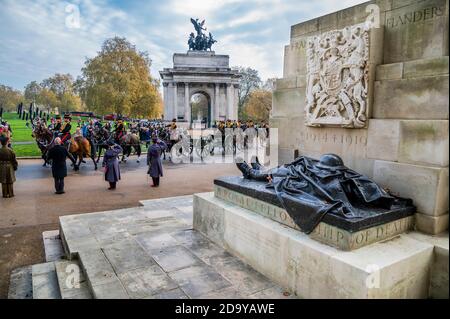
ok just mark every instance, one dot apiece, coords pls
pixel 337 78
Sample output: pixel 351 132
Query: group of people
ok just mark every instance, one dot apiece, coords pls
pixel 59 154
pixel 240 124
pixel 8 161
pixel 6 131
pixel 157 134
pixel 110 164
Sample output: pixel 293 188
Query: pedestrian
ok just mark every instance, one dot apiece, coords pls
pixel 111 165
pixel 58 155
pixel 6 133
pixel 8 165
pixel 154 163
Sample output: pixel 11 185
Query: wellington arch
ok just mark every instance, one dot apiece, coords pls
pixel 205 73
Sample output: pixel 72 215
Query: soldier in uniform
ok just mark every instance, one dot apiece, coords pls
pixel 58 125
pixel 65 129
pixel 120 130
pixel 8 166
pixel 173 132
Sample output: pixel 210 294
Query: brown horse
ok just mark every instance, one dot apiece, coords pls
pixel 44 140
pixel 128 142
pixel 80 148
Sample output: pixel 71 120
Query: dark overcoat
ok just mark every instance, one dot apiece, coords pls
pixel 155 168
pixel 111 163
pixel 58 155
pixel 8 164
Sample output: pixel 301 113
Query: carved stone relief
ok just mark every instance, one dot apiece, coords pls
pixel 337 78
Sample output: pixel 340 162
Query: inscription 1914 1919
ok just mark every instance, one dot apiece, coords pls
pixel 414 17
pixel 325 137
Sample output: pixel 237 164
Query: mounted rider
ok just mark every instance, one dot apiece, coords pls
pixel 57 126
pixel 173 132
pixel 119 131
pixel 65 130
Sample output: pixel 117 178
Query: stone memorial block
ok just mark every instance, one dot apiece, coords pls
pixel 420 98
pixel 395 268
pixel 403 80
pixel 335 231
pixel 416 31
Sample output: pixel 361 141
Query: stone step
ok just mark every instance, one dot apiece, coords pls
pixel 53 246
pixel 100 276
pixel 20 284
pixel 45 281
pixel 71 280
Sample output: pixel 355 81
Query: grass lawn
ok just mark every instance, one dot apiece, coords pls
pixel 20 133
pixel 30 150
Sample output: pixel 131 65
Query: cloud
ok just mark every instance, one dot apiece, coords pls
pixel 36 42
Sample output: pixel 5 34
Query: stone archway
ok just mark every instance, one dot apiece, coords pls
pixel 200 72
pixel 200 104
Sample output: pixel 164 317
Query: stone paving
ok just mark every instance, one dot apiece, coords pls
pixel 153 252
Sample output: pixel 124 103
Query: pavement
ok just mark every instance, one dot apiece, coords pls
pixel 36 208
pixel 150 252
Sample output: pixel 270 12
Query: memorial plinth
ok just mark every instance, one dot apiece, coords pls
pixel 334 230
pixel 395 268
pixel 390 124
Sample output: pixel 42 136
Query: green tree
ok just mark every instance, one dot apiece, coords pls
pixel 118 80
pixel 47 98
pixel 32 91
pixel 250 81
pixel 259 105
pixel 62 86
pixel 59 84
pixel 9 98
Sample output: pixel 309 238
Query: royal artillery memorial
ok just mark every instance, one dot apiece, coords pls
pixel 368 84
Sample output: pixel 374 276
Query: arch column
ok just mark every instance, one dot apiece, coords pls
pixel 175 100
pixel 187 104
pixel 216 111
pixel 166 102
pixel 230 99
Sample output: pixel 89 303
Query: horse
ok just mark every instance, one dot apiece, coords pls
pixel 44 139
pixel 80 148
pixel 130 142
pixel 101 138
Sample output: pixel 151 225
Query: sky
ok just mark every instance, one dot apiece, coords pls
pixel 39 38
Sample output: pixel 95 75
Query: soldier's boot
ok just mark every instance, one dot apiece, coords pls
pixel 251 173
pixel 256 164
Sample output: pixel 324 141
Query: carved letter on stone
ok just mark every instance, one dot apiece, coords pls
pixel 337 78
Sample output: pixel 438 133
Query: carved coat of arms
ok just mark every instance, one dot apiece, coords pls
pixel 337 78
